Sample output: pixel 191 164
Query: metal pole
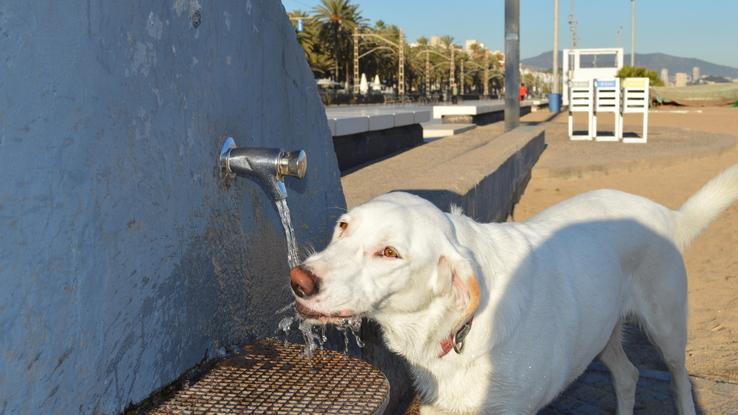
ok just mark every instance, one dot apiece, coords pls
pixel 512 64
pixel 486 74
pixel 632 32
pixel 461 78
pixel 452 69
pixel 401 67
pixel 357 81
pixel 556 87
pixel 572 24
pixel 427 73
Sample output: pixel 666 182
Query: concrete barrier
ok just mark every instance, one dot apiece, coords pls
pixel 479 113
pixel 355 150
pixel 347 121
pixel 364 135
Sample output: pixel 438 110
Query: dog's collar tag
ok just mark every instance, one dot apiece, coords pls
pixel 460 336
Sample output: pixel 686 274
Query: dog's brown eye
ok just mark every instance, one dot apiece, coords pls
pixel 343 225
pixel 390 252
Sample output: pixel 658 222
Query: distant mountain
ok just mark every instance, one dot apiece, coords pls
pixel 654 61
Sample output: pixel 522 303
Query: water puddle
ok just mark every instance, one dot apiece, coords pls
pixel 313 335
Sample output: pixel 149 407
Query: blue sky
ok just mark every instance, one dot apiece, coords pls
pixel 695 29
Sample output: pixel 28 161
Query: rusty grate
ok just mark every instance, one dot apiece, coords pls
pixel 271 378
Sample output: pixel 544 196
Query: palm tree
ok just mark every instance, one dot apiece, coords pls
pixel 338 18
pixel 447 41
pixel 318 58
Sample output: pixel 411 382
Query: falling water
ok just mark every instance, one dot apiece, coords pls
pixel 293 258
pixel 306 328
pixel 285 325
pixel 314 340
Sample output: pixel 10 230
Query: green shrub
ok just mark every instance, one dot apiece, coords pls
pixel 640 72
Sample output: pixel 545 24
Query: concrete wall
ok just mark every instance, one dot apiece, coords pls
pixel 123 262
pixel 353 150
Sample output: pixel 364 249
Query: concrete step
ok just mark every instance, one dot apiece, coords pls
pixel 433 131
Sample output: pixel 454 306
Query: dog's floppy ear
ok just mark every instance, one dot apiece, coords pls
pixel 455 274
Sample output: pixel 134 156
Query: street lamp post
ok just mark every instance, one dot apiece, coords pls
pixel 512 64
pixel 356 62
pixel 461 77
pixel 452 79
pixel 486 73
pixel 632 32
pixel 427 73
pixel 556 87
pixel 401 67
pixel 398 47
pixel 450 61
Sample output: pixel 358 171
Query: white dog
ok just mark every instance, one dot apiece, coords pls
pixel 526 306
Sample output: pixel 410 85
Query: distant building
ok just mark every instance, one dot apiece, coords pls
pixel 695 73
pixel 681 79
pixel 469 42
pixel 435 41
pixel 665 76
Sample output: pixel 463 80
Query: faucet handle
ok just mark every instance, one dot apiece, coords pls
pixel 292 163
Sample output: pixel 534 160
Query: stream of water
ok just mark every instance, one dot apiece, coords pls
pixel 311 338
pixel 293 257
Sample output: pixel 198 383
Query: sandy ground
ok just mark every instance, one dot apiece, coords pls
pixel 712 263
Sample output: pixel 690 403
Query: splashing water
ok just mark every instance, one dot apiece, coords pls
pixel 293 258
pixel 306 328
pixel 323 337
pixel 314 340
pixel 288 307
pixel 285 325
pixel 308 336
pixel 354 326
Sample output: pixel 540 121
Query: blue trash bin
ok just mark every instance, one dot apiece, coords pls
pixel 554 103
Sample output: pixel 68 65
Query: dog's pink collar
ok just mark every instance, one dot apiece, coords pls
pixel 455 340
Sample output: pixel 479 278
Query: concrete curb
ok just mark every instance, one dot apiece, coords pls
pixel 485 192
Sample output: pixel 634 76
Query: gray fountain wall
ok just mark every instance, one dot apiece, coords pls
pixel 123 261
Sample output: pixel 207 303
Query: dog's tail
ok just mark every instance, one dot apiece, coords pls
pixel 705 206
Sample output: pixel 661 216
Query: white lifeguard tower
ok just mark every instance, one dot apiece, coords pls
pixel 588 65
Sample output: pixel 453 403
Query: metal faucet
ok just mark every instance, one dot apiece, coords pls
pixel 268 166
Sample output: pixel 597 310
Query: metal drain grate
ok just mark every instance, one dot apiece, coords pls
pixel 271 378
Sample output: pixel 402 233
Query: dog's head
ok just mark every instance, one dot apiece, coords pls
pixel 394 254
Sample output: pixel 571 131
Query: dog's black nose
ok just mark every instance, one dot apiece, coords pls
pixel 304 283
